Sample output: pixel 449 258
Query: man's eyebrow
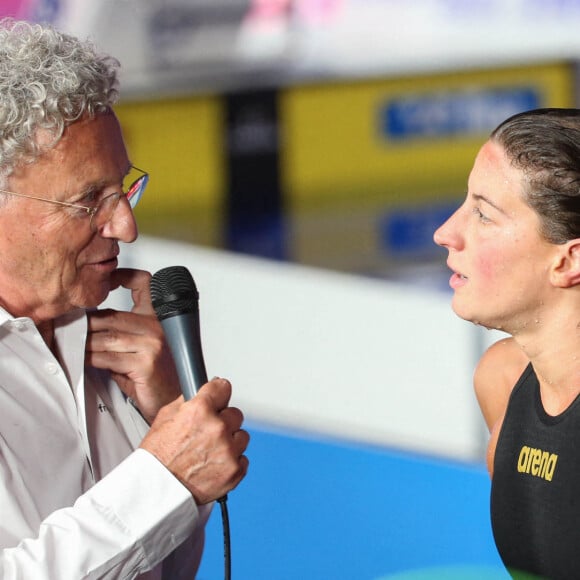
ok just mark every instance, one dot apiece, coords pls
pixel 89 190
pixel 478 197
pixel 96 187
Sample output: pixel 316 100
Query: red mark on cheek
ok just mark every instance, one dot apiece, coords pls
pixel 489 266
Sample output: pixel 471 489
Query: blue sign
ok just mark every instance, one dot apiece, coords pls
pixel 446 113
pixel 408 232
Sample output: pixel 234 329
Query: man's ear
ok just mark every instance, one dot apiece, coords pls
pixel 565 271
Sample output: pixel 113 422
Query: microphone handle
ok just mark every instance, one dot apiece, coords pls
pixel 184 339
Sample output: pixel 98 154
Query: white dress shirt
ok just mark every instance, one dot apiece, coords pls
pixel 77 499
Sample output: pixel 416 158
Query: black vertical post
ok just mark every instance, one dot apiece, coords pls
pixel 255 219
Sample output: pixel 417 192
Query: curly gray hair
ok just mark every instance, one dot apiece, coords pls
pixel 48 80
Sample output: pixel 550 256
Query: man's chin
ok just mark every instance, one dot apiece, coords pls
pixel 98 295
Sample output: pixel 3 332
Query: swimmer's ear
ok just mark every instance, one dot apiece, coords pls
pixel 565 271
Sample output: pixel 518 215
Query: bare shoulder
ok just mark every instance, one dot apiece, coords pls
pixel 495 376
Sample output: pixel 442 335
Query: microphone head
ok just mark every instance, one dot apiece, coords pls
pixel 173 292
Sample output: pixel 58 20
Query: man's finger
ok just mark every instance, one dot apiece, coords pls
pixel 218 391
pixel 138 282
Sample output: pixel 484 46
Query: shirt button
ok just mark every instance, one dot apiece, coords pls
pixel 51 368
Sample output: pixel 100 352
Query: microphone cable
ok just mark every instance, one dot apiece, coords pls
pixel 227 541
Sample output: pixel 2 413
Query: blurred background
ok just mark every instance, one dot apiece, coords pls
pixel 302 152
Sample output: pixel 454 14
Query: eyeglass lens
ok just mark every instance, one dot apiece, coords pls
pixel 136 189
pixel 109 204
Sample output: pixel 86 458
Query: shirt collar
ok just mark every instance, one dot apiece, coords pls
pixel 62 320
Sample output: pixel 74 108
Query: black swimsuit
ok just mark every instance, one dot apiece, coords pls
pixel 535 497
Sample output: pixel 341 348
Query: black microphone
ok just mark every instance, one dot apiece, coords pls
pixel 175 300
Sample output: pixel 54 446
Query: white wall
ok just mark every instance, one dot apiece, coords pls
pixel 209 48
pixel 330 353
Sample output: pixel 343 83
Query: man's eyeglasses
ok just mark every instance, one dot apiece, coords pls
pixel 103 211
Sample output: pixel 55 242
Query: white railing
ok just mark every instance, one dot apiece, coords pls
pixel 333 354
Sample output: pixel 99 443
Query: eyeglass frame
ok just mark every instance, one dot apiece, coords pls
pixel 132 197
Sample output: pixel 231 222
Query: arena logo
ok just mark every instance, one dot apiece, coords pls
pixel 537 462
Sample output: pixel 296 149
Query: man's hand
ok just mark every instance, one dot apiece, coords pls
pixel 132 346
pixel 201 442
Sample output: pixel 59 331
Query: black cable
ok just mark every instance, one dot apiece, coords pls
pixel 227 544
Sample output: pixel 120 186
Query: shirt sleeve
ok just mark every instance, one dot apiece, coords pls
pixel 122 527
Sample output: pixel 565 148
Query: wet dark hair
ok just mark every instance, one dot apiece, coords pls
pixel 545 145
